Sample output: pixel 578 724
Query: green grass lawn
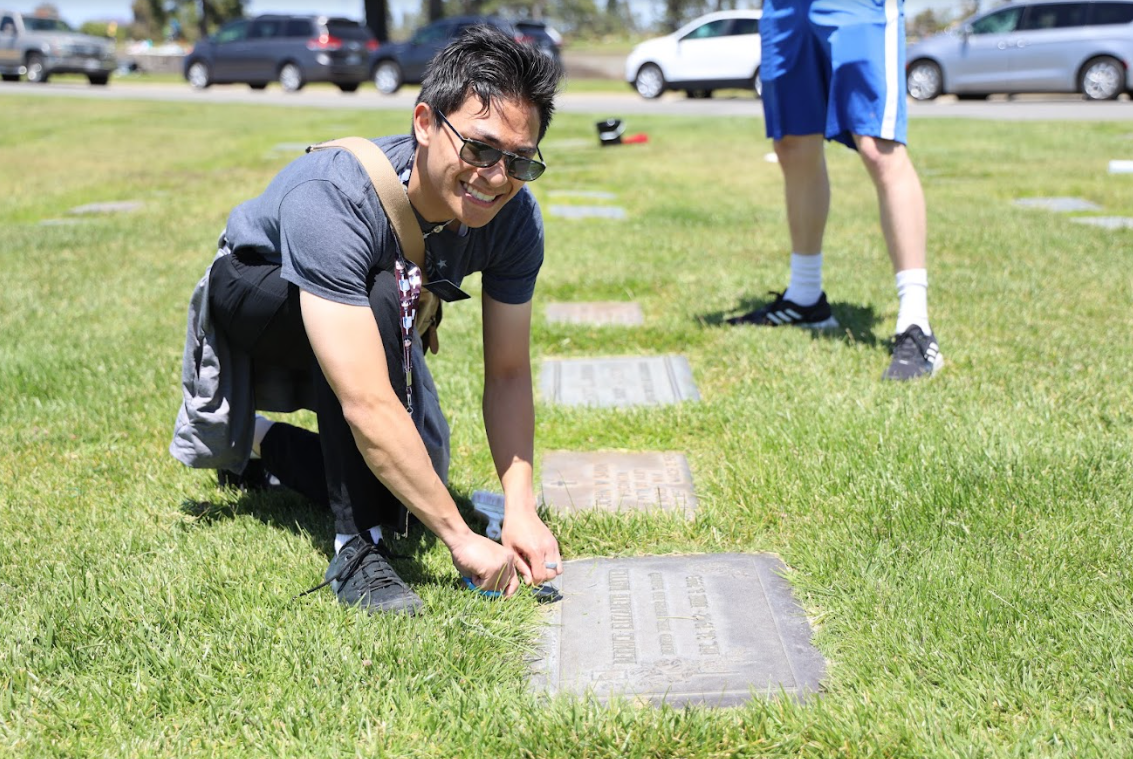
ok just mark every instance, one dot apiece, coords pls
pixel 962 545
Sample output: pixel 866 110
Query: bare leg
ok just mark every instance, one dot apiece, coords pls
pixel 900 200
pixel 807 189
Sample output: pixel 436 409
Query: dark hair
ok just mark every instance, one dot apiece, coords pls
pixel 493 66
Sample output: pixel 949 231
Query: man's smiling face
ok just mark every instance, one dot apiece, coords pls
pixel 443 186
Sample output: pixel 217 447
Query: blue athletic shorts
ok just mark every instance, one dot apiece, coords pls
pixel 834 67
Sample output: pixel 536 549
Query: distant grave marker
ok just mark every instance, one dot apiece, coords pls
pixel 714 630
pixel 1062 205
pixel 618 382
pixel 1121 167
pixel 60 222
pixel 588 212
pixel 598 313
pixel 117 206
pixel 589 194
pixel 1105 222
pixel 298 148
pixel 614 481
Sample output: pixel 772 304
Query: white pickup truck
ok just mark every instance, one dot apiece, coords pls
pixel 37 47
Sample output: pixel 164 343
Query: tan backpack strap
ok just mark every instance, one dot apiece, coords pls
pixel 390 192
pixel 395 203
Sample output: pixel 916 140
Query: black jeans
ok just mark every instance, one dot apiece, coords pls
pixel 259 313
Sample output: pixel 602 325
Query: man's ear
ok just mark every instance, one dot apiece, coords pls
pixel 422 123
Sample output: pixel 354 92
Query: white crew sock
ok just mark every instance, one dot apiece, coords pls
pixel 342 538
pixel 806 279
pixel 263 424
pixel 912 290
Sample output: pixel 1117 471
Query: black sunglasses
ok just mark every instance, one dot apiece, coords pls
pixel 483 155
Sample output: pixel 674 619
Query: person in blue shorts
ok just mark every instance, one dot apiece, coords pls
pixel 834 70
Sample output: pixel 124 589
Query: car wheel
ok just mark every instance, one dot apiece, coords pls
pixel 36 72
pixel 99 80
pixel 199 75
pixel 348 86
pixel 1103 78
pixel 757 85
pixel 291 78
pixel 924 81
pixel 258 85
pixel 650 82
pixel 387 77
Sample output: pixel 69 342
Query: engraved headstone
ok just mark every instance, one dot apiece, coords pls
pixel 117 206
pixel 588 212
pixel 1105 222
pixel 616 382
pixel 1063 205
pixel 613 481
pixel 714 630
pixel 598 314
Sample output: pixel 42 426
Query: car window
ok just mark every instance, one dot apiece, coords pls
pixel 430 34
pixel 266 28
pixel 347 30
pixel 7 25
pixel 745 26
pixel 45 24
pixel 298 27
pixel 716 28
pixel 999 22
pixel 1111 13
pixel 1053 16
pixel 233 32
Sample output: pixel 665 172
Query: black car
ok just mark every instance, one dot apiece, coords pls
pixel 292 50
pixel 399 63
pixel 542 36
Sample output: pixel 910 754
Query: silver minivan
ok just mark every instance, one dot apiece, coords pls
pixel 1038 46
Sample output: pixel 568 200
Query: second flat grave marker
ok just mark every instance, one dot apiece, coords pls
pixel 614 481
pixel 618 382
pixel 597 313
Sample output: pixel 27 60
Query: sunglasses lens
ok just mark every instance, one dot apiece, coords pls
pixel 526 170
pixel 479 154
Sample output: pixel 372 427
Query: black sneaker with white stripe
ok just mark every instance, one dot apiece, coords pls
pixel 915 354
pixel 784 312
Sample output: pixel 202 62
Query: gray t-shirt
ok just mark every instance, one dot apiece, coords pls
pixel 321 219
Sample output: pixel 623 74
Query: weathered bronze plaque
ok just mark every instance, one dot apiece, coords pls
pixel 588 212
pixel 614 481
pixel 607 382
pixel 714 630
pixel 1063 205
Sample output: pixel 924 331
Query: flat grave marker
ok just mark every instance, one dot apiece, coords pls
pixel 617 382
pixel 597 314
pixel 588 212
pixel 615 481
pixel 115 206
pixel 1061 205
pixel 1105 222
pixel 712 629
pixel 589 194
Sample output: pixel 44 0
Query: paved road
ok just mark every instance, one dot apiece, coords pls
pixel 1029 108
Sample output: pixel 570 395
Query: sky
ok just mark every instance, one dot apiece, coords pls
pixel 76 12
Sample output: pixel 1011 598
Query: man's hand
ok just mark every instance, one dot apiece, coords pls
pixel 534 546
pixel 489 565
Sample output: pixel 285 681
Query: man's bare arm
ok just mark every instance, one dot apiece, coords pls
pixel 509 421
pixel 348 346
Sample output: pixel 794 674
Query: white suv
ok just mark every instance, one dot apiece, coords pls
pixel 716 51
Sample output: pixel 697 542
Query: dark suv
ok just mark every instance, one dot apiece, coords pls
pixel 399 63
pixel 294 50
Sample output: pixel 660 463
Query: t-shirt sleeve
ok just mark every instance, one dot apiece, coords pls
pixel 325 243
pixel 517 257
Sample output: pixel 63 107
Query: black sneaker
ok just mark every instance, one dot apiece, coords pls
pixel 360 575
pixel 915 354
pixel 784 312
